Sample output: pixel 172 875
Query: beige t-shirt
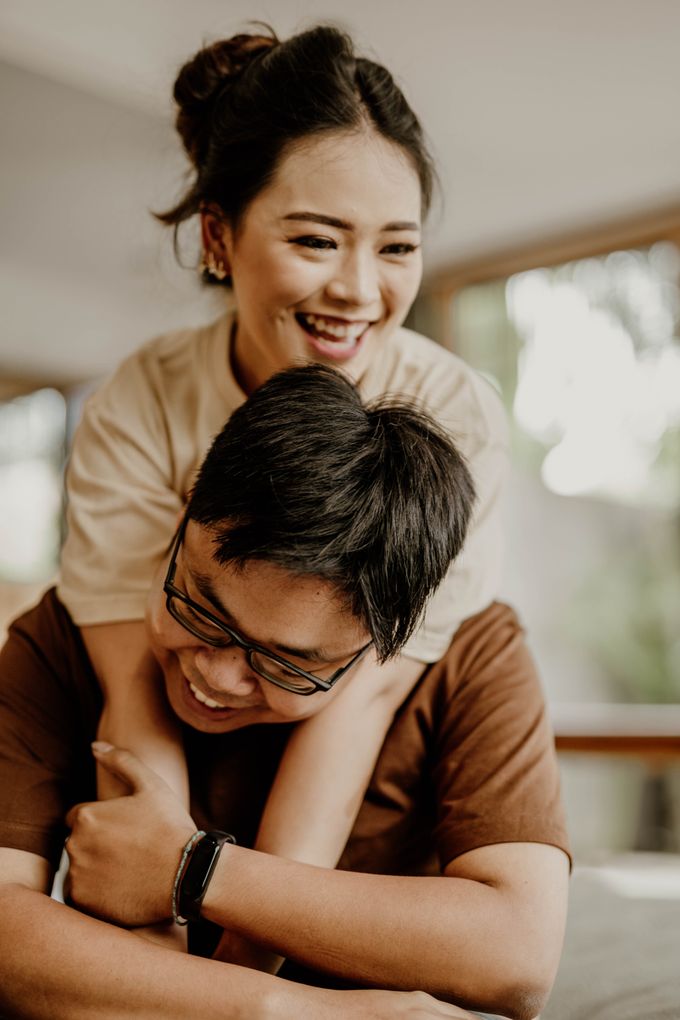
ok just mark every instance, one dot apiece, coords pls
pixel 145 433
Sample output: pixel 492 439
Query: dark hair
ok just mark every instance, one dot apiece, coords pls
pixel 373 498
pixel 243 100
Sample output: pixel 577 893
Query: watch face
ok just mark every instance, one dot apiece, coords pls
pixel 199 871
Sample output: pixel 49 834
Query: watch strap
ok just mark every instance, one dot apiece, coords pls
pixel 197 872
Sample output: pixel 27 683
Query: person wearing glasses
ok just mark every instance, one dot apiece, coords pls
pixel 310 188
pixel 213 631
pixel 283 573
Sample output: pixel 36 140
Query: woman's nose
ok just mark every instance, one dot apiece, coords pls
pixel 355 282
pixel 226 671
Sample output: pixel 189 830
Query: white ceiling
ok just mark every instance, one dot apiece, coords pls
pixel 544 117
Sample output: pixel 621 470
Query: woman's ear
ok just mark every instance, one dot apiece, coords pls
pixel 217 242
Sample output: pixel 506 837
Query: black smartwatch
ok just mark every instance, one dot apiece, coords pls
pixel 198 872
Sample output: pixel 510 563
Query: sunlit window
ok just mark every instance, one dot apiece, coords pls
pixel 599 373
pixel 587 357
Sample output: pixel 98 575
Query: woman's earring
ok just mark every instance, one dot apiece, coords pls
pixel 210 265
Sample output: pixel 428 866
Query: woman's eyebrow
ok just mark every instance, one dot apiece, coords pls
pixel 333 221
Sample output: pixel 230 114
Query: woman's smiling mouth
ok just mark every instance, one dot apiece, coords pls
pixel 332 336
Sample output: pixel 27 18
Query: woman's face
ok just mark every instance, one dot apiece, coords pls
pixel 326 260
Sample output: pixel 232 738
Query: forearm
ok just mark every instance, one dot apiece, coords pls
pixel 144 727
pixel 455 938
pixel 328 762
pixel 56 962
pixel 135 713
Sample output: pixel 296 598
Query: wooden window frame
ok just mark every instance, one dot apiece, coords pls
pixel 649 732
pixel 641 231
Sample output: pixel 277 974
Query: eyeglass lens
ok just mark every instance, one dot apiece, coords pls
pixel 203 628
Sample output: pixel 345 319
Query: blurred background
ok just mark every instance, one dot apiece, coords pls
pixel 552 266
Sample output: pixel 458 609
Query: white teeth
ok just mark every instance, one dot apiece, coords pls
pixel 203 698
pixel 349 331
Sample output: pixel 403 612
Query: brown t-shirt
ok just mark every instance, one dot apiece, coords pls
pixel 469 760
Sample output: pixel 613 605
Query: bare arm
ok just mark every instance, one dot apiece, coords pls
pixel 488 934
pixel 51 955
pixel 492 940
pixel 136 714
pixel 328 762
pixel 322 779
pixel 135 710
pixel 320 784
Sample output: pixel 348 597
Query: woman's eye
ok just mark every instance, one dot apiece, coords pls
pixel 317 243
pixel 399 249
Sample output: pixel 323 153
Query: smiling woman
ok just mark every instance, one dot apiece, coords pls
pixel 310 177
pixel 321 268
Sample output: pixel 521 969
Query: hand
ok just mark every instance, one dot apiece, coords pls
pixel 124 853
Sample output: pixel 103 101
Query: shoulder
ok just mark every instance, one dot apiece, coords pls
pixel 460 398
pixel 494 764
pixel 174 357
pixel 488 664
pixel 490 647
pixel 184 344
pixel 44 635
pixel 169 386
pixel 48 687
pixel 49 706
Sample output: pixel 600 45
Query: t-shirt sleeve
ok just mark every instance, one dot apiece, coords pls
pixel 123 502
pixel 473 580
pixel 478 426
pixel 49 704
pixel 495 768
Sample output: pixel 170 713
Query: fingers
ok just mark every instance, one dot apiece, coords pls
pixel 126 766
pixel 71 818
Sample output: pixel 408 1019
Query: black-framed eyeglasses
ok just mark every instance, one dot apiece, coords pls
pixel 267 664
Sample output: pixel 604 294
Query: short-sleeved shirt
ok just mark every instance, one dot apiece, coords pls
pixel 145 433
pixel 468 761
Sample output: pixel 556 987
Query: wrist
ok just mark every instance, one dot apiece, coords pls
pixel 199 859
pixel 167 860
pixel 222 903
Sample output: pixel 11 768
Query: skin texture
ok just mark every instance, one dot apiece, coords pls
pixel 498 911
pixel 104 972
pixel 363 272
pixel 506 954
pixel 487 935
pixel 269 606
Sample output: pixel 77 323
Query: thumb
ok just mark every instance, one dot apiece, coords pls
pixel 126 766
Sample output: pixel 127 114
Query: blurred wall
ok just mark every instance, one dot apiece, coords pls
pixel 84 268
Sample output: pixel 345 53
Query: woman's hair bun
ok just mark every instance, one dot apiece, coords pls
pixel 243 101
pixel 204 77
